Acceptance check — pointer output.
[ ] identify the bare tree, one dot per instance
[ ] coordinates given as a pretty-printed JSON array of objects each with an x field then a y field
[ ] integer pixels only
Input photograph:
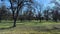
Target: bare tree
[
  {"x": 18, "y": 5},
  {"x": 0, "y": 15},
  {"x": 3, "y": 12},
  {"x": 56, "y": 9}
]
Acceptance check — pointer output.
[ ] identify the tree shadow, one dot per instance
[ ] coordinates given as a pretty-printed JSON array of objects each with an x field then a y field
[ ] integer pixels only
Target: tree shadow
[{"x": 7, "y": 28}]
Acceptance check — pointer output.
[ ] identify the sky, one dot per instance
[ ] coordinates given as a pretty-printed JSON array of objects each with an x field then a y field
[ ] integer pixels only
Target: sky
[{"x": 45, "y": 3}]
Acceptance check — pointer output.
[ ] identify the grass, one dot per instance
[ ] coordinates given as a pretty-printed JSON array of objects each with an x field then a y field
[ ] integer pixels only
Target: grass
[{"x": 26, "y": 27}]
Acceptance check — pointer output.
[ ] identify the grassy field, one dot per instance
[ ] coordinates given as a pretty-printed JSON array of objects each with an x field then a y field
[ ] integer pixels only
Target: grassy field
[{"x": 30, "y": 27}]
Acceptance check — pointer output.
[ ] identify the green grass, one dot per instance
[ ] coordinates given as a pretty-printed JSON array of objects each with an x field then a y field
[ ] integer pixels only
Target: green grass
[{"x": 27, "y": 27}]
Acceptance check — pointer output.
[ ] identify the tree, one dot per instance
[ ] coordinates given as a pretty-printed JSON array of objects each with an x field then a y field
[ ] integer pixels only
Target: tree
[
  {"x": 39, "y": 16},
  {"x": 56, "y": 9},
  {"x": 46, "y": 14},
  {"x": 3, "y": 12},
  {"x": 0, "y": 15},
  {"x": 39, "y": 12},
  {"x": 16, "y": 5},
  {"x": 55, "y": 15}
]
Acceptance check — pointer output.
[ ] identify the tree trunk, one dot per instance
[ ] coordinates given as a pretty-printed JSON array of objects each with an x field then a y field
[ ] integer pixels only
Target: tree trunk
[
  {"x": 0, "y": 17},
  {"x": 40, "y": 19},
  {"x": 14, "y": 25},
  {"x": 15, "y": 17}
]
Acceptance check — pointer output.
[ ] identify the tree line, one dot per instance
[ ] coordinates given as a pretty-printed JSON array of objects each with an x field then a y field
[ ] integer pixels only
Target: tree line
[{"x": 15, "y": 12}]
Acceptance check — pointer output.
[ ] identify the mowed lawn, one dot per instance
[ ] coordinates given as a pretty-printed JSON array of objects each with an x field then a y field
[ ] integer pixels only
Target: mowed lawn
[{"x": 30, "y": 27}]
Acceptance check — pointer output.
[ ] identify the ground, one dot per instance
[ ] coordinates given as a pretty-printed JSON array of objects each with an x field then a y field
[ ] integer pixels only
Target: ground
[{"x": 30, "y": 27}]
